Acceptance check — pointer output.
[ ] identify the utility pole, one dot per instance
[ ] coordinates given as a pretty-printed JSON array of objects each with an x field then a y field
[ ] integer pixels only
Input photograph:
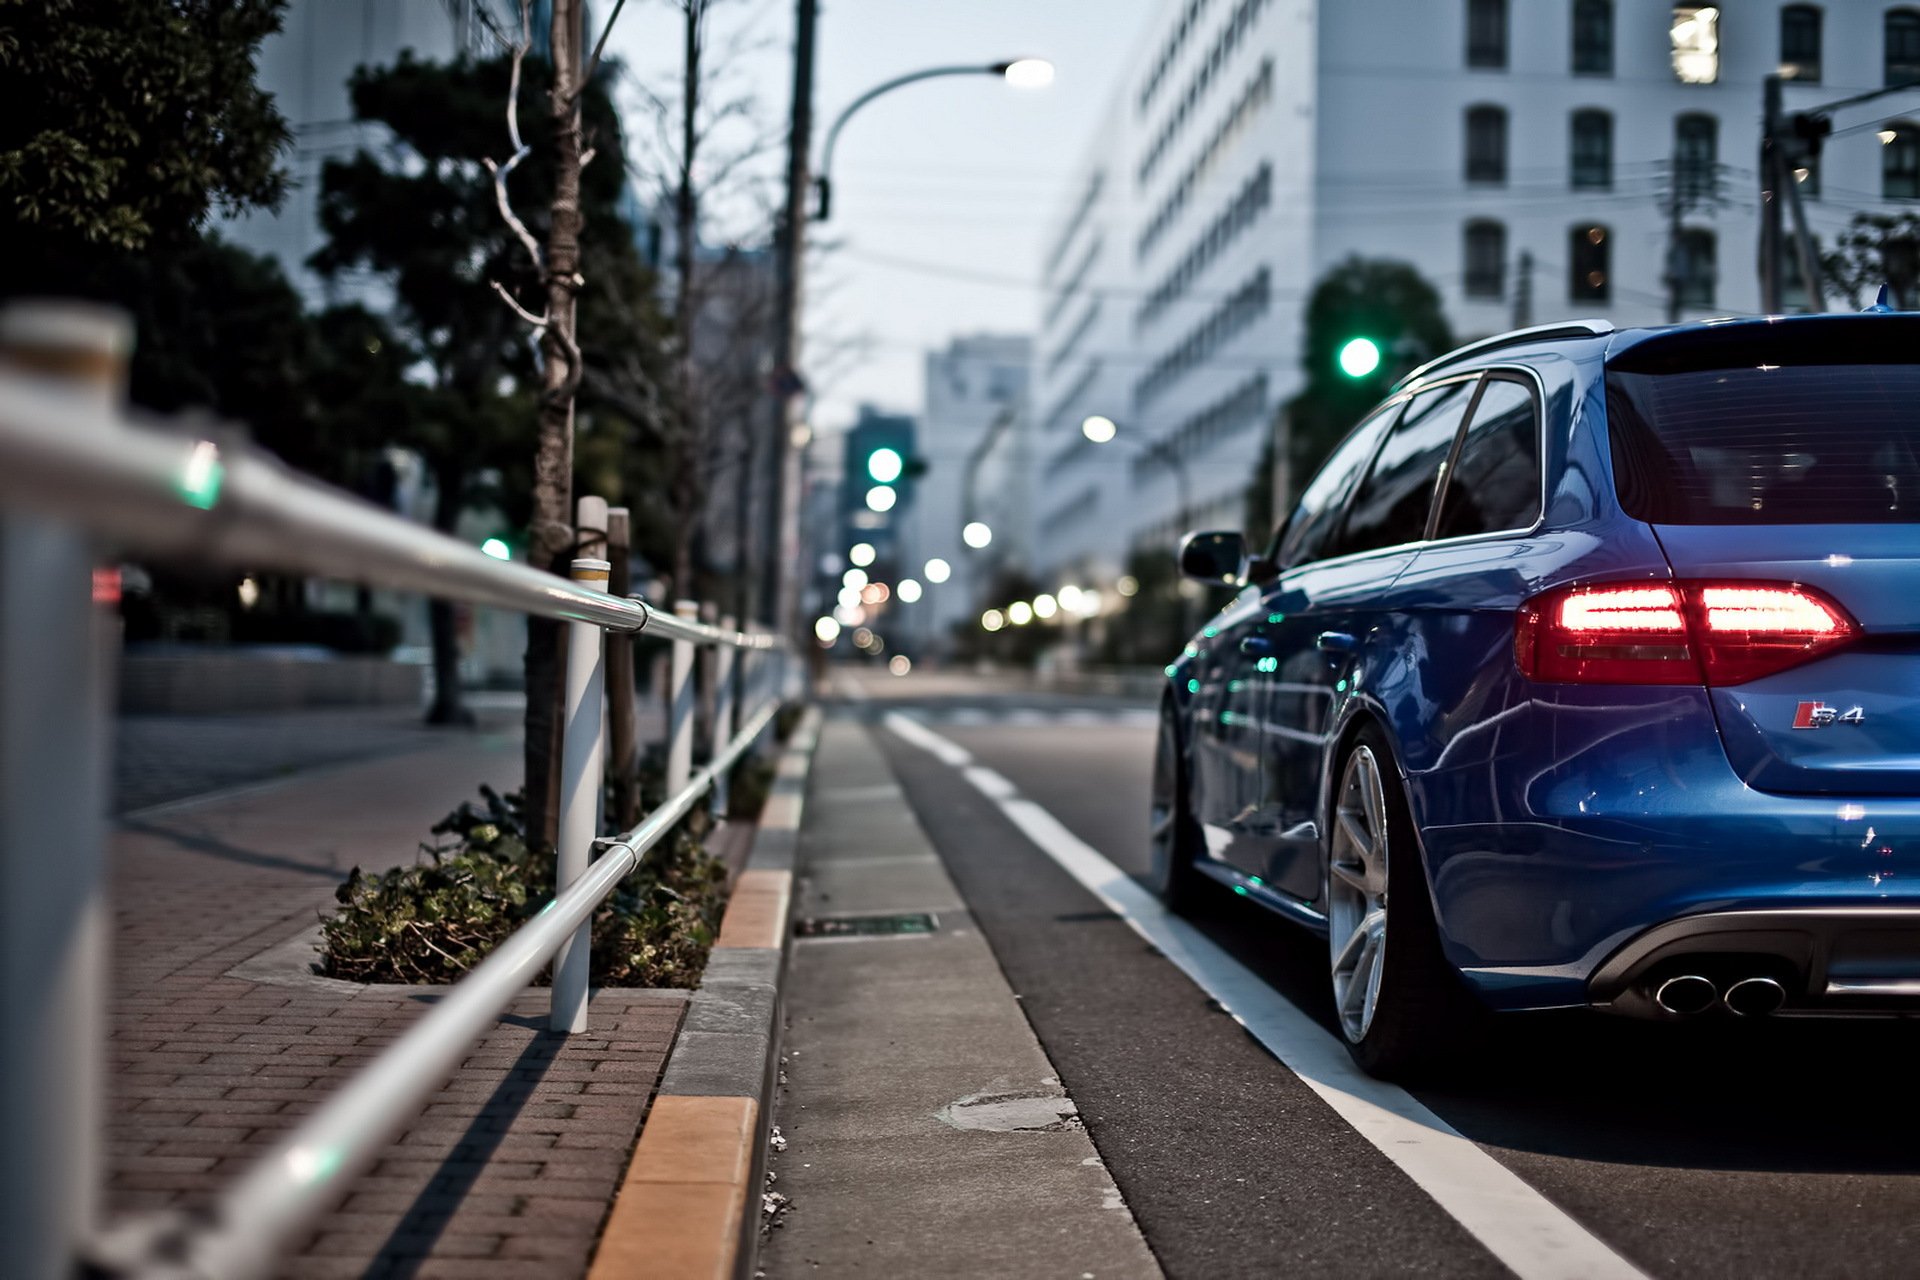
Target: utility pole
[
  {"x": 1770, "y": 238},
  {"x": 1786, "y": 145},
  {"x": 1675, "y": 208},
  {"x": 1523, "y": 291},
  {"x": 781, "y": 567}
]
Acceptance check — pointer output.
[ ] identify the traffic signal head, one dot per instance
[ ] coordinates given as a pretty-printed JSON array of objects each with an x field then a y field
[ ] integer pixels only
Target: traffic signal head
[
  {"x": 1359, "y": 357},
  {"x": 885, "y": 465}
]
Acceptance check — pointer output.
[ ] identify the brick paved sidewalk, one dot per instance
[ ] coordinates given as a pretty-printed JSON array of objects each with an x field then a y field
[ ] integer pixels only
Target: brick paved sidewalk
[{"x": 510, "y": 1170}]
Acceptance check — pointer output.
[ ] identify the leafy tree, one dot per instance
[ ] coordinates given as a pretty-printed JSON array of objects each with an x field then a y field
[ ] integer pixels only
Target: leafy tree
[
  {"x": 1388, "y": 302},
  {"x": 1877, "y": 249},
  {"x": 123, "y": 123},
  {"x": 421, "y": 215}
]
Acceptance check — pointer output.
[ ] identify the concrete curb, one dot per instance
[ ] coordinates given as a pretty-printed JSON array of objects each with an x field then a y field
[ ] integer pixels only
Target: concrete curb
[{"x": 687, "y": 1206}]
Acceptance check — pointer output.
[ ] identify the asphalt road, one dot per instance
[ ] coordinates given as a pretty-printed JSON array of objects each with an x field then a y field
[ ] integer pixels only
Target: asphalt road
[{"x": 1782, "y": 1148}]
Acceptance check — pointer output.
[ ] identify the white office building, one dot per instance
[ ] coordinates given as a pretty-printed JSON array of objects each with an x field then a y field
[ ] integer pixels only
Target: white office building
[
  {"x": 1520, "y": 154},
  {"x": 975, "y": 396}
]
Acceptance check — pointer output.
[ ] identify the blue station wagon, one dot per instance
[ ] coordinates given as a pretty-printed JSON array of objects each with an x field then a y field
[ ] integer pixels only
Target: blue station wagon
[{"x": 1586, "y": 673}]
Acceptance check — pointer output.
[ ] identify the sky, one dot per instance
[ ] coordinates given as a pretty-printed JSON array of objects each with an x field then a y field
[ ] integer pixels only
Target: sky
[{"x": 932, "y": 184}]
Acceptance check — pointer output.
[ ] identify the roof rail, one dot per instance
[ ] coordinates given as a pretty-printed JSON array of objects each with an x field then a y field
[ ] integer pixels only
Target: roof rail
[{"x": 1518, "y": 337}]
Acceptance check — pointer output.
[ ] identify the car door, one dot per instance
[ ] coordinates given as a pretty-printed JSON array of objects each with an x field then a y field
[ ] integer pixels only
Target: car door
[{"x": 1329, "y": 616}]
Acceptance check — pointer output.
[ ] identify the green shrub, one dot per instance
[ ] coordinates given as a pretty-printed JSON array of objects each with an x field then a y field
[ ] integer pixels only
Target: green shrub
[{"x": 438, "y": 918}]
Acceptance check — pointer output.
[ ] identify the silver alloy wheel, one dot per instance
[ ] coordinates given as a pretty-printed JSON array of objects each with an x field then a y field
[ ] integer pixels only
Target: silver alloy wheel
[{"x": 1357, "y": 892}]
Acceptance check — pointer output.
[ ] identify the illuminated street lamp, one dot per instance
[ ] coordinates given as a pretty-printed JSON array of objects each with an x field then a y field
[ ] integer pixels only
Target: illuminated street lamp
[
  {"x": 861, "y": 553},
  {"x": 1021, "y": 73},
  {"x": 938, "y": 570},
  {"x": 975, "y": 535}
]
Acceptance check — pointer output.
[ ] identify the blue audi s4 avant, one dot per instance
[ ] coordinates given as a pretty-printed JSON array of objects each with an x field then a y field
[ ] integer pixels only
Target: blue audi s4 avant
[{"x": 1586, "y": 673}]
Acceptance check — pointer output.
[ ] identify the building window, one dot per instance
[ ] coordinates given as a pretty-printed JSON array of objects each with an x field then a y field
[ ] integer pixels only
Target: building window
[
  {"x": 1696, "y": 43},
  {"x": 1487, "y": 34},
  {"x": 1486, "y": 260},
  {"x": 1903, "y": 46},
  {"x": 1695, "y": 269},
  {"x": 1589, "y": 277},
  {"x": 1696, "y": 147},
  {"x": 1593, "y": 37},
  {"x": 1800, "y": 43},
  {"x": 1900, "y": 163},
  {"x": 1592, "y": 151},
  {"x": 1486, "y": 144}
]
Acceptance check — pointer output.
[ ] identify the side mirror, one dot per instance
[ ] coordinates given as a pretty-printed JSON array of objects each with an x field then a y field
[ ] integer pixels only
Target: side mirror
[{"x": 1213, "y": 557}]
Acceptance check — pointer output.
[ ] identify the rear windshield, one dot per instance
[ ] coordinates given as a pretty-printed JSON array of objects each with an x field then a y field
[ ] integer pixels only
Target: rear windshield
[{"x": 1766, "y": 444}]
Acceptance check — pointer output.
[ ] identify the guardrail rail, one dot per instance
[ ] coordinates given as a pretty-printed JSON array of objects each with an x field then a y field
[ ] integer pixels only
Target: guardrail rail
[{"x": 78, "y": 473}]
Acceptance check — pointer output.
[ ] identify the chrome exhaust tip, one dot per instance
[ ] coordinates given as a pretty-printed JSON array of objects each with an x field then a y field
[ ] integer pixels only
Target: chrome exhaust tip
[
  {"x": 1686, "y": 995},
  {"x": 1755, "y": 997}
]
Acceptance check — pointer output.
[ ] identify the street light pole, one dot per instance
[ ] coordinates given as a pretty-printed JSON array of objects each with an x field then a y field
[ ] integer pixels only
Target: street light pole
[
  {"x": 1101, "y": 430},
  {"x": 1021, "y": 72}
]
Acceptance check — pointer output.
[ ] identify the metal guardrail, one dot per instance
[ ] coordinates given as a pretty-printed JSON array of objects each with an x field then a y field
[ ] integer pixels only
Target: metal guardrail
[{"x": 75, "y": 470}]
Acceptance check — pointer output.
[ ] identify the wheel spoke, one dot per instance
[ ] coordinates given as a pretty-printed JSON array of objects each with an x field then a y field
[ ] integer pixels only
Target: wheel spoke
[
  {"x": 1354, "y": 877},
  {"x": 1353, "y": 1000},
  {"x": 1376, "y": 954},
  {"x": 1349, "y": 954},
  {"x": 1356, "y": 833}
]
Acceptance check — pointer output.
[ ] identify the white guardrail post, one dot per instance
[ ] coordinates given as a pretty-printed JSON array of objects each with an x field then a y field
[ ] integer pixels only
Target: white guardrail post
[
  {"x": 57, "y": 644},
  {"x": 726, "y": 660},
  {"x": 680, "y": 703},
  {"x": 582, "y": 771}
]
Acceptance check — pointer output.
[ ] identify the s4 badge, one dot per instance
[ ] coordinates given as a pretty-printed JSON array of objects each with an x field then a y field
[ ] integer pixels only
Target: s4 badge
[{"x": 1818, "y": 715}]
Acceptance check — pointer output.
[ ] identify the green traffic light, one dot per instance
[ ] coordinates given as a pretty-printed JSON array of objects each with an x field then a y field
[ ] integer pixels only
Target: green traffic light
[
  {"x": 1359, "y": 357},
  {"x": 885, "y": 465}
]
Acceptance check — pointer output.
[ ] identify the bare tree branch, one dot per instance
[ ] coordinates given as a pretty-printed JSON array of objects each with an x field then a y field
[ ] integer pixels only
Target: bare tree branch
[
  {"x": 538, "y": 322},
  {"x": 520, "y": 152},
  {"x": 593, "y": 63}
]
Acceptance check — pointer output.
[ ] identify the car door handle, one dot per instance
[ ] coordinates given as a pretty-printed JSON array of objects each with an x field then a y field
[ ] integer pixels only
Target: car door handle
[
  {"x": 1257, "y": 646},
  {"x": 1334, "y": 642}
]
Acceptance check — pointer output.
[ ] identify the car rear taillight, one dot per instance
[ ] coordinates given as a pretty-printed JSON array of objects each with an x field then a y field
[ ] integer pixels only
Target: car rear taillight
[{"x": 1686, "y": 632}]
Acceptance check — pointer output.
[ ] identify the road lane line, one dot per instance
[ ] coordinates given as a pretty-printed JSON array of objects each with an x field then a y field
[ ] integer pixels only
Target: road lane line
[{"x": 1519, "y": 1226}]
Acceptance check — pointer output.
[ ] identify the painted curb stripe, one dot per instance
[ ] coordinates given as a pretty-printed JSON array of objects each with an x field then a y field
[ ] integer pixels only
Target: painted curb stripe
[
  {"x": 688, "y": 1203},
  {"x": 756, "y": 914},
  {"x": 1519, "y": 1226}
]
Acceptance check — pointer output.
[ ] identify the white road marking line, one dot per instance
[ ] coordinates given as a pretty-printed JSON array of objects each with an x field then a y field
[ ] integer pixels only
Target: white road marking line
[{"x": 1519, "y": 1226}]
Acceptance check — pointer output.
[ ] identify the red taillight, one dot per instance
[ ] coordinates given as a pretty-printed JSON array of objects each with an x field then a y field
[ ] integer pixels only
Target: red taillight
[{"x": 1716, "y": 633}]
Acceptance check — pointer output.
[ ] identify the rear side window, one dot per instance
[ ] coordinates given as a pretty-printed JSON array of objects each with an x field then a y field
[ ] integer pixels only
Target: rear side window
[
  {"x": 1495, "y": 484},
  {"x": 1313, "y": 521},
  {"x": 1768, "y": 444},
  {"x": 1392, "y": 504}
]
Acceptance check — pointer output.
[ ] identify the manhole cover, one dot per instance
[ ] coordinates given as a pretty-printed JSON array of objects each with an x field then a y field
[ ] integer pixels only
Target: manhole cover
[{"x": 910, "y": 924}]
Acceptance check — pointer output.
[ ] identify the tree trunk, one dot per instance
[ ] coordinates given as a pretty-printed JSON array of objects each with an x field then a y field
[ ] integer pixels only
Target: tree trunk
[
  {"x": 449, "y": 704},
  {"x": 551, "y": 535}
]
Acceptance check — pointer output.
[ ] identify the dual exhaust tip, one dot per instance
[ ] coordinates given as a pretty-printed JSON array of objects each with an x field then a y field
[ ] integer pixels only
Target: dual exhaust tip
[{"x": 1690, "y": 994}]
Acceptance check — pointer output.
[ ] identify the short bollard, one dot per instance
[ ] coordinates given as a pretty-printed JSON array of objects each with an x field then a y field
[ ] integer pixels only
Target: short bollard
[{"x": 582, "y": 753}]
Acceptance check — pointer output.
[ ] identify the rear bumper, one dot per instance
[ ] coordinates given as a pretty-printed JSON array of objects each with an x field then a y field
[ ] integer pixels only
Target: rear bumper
[
  {"x": 1835, "y": 960},
  {"x": 1595, "y": 875}
]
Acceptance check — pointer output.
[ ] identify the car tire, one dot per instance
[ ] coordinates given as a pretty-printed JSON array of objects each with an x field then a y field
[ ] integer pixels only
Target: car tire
[
  {"x": 1401, "y": 1009},
  {"x": 1173, "y": 837}
]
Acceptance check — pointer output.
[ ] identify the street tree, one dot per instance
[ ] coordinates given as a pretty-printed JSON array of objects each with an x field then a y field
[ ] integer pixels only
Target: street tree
[
  {"x": 1877, "y": 249},
  {"x": 421, "y": 216},
  {"x": 123, "y": 126},
  {"x": 1386, "y": 303}
]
